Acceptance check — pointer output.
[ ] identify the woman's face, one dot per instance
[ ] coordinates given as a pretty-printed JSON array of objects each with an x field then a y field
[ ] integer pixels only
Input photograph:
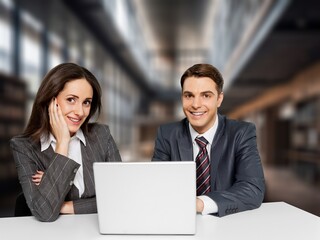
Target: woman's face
[{"x": 75, "y": 102}]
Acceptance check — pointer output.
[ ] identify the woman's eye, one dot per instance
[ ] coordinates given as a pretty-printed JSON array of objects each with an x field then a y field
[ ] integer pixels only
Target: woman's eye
[
  {"x": 88, "y": 103},
  {"x": 71, "y": 100}
]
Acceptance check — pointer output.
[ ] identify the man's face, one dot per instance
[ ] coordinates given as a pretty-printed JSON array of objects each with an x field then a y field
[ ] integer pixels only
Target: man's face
[{"x": 200, "y": 101}]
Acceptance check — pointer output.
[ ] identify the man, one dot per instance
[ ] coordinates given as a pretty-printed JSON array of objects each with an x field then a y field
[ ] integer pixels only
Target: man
[{"x": 229, "y": 171}]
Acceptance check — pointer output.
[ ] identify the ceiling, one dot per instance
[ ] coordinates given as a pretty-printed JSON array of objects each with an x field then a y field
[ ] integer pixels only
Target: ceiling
[
  {"x": 291, "y": 46},
  {"x": 170, "y": 22}
]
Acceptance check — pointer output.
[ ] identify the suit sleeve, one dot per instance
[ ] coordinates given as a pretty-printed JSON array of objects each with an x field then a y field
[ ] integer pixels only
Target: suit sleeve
[
  {"x": 106, "y": 146},
  {"x": 113, "y": 154},
  {"x": 46, "y": 199},
  {"x": 248, "y": 189},
  {"x": 85, "y": 205}
]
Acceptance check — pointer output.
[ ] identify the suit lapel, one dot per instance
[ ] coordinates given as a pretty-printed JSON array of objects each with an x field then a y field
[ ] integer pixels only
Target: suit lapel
[
  {"x": 47, "y": 154},
  {"x": 216, "y": 149},
  {"x": 216, "y": 155},
  {"x": 185, "y": 144},
  {"x": 87, "y": 164},
  {"x": 185, "y": 149},
  {"x": 87, "y": 178}
]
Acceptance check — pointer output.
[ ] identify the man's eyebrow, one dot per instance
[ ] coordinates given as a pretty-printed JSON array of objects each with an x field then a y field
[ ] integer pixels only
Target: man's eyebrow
[{"x": 206, "y": 92}]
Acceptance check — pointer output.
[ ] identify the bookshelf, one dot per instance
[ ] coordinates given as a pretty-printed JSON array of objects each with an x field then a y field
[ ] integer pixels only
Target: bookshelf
[
  {"x": 13, "y": 98},
  {"x": 304, "y": 148}
]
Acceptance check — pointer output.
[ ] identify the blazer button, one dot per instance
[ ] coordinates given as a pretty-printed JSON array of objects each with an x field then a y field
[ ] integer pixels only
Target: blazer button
[
  {"x": 71, "y": 182},
  {"x": 75, "y": 170}
]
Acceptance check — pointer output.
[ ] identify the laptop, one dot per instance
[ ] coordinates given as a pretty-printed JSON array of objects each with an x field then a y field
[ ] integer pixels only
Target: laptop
[{"x": 146, "y": 197}]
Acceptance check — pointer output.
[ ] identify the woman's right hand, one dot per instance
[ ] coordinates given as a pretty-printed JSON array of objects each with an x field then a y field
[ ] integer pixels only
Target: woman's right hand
[
  {"x": 59, "y": 128},
  {"x": 67, "y": 208}
]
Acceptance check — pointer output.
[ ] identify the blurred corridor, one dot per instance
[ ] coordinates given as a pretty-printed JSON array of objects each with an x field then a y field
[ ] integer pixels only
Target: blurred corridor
[{"x": 267, "y": 50}]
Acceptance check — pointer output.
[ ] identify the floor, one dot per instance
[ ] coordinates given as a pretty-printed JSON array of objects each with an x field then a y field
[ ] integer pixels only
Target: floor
[{"x": 284, "y": 184}]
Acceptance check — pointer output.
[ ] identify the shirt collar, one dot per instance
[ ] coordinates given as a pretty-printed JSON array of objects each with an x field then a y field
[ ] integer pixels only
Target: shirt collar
[
  {"x": 208, "y": 134},
  {"x": 46, "y": 142}
]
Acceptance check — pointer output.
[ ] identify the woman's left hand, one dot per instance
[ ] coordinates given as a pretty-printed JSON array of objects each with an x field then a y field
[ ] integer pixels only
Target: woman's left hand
[{"x": 37, "y": 177}]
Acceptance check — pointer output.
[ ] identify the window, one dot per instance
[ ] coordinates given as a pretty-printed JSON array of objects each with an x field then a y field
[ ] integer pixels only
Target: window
[
  {"x": 31, "y": 51},
  {"x": 5, "y": 39}
]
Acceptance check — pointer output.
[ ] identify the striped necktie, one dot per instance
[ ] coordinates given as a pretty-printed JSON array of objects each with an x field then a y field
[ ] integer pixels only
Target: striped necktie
[{"x": 203, "y": 167}]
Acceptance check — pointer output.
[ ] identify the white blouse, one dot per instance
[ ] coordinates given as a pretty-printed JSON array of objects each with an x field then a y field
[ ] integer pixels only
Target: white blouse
[{"x": 74, "y": 153}]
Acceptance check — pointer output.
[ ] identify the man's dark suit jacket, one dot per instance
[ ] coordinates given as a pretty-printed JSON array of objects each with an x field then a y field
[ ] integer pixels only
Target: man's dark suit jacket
[
  {"x": 56, "y": 185},
  {"x": 237, "y": 179}
]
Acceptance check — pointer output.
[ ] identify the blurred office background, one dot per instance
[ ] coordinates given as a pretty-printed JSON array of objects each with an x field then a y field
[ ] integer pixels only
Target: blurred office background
[{"x": 267, "y": 50}]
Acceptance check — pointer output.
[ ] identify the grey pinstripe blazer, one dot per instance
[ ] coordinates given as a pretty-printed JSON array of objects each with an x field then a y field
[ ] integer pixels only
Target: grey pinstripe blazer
[{"x": 56, "y": 186}]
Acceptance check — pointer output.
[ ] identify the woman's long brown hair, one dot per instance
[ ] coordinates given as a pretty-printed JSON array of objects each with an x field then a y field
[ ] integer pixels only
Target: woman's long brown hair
[{"x": 52, "y": 84}]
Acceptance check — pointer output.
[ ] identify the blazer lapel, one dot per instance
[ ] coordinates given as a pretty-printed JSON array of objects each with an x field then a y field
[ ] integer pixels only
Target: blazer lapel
[
  {"x": 216, "y": 147},
  {"x": 48, "y": 154},
  {"x": 87, "y": 164},
  {"x": 185, "y": 149},
  {"x": 185, "y": 144}
]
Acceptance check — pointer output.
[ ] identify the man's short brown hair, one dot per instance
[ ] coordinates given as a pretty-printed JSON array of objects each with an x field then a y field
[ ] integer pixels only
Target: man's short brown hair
[{"x": 204, "y": 70}]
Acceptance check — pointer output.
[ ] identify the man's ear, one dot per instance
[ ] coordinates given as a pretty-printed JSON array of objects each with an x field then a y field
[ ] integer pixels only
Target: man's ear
[{"x": 220, "y": 99}]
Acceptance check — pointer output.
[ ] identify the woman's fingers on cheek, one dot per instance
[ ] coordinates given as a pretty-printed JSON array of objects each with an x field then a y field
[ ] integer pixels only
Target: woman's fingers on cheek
[
  {"x": 51, "y": 110},
  {"x": 59, "y": 114},
  {"x": 51, "y": 104},
  {"x": 54, "y": 112},
  {"x": 55, "y": 104}
]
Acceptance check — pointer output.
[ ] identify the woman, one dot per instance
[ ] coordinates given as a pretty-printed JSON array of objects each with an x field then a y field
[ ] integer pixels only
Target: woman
[{"x": 54, "y": 157}]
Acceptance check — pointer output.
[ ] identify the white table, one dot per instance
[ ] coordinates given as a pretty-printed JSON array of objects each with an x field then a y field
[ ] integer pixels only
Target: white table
[{"x": 271, "y": 221}]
